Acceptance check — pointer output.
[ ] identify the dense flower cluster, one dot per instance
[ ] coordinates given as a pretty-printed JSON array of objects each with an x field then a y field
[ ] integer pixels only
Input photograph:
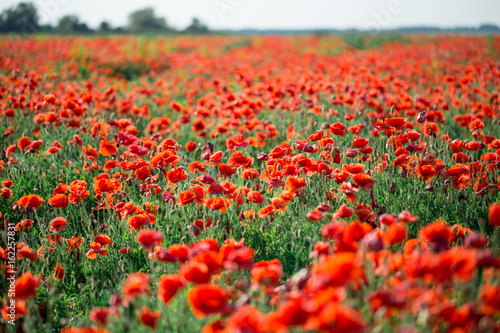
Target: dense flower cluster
[{"x": 176, "y": 166}]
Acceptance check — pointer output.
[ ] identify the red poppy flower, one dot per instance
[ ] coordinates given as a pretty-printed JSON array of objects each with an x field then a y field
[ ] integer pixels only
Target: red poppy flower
[
  {"x": 138, "y": 221},
  {"x": 32, "y": 200},
  {"x": 207, "y": 299},
  {"x": 26, "y": 286},
  {"x": 106, "y": 185},
  {"x": 267, "y": 273},
  {"x": 266, "y": 211},
  {"x": 102, "y": 239},
  {"x": 350, "y": 191},
  {"x": 186, "y": 197},
  {"x": 191, "y": 146},
  {"x": 107, "y": 149},
  {"x": 168, "y": 286},
  {"x": 23, "y": 142},
  {"x": 24, "y": 224},
  {"x": 59, "y": 201},
  {"x": 7, "y": 183},
  {"x": 494, "y": 214},
  {"x": 180, "y": 251},
  {"x": 6, "y": 193},
  {"x": 236, "y": 142},
  {"x": 293, "y": 184},
  {"x": 197, "y": 166},
  {"x": 217, "y": 203},
  {"x": 315, "y": 215},
  {"x": 176, "y": 175},
  {"x": 353, "y": 168},
  {"x": 226, "y": 170},
  {"x": 364, "y": 180},
  {"x": 136, "y": 284},
  {"x": 149, "y": 238},
  {"x": 196, "y": 272},
  {"x": 360, "y": 142},
  {"x": 58, "y": 272},
  {"x": 142, "y": 173},
  {"x": 256, "y": 197},
  {"x": 95, "y": 249},
  {"x": 332, "y": 271},
  {"x": 100, "y": 315},
  {"x": 438, "y": 234},
  {"x": 148, "y": 317},
  {"x": 338, "y": 129},
  {"x": 57, "y": 224}
]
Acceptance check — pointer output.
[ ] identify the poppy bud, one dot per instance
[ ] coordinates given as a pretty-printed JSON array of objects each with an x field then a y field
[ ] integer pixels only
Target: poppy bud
[
  {"x": 373, "y": 242},
  {"x": 242, "y": 284},
  {"x": 323, "y": 207},
  {"x": 262, "y": 156},
  {"x": 308, "y": 149},
  {"x": 209, "y": 146},
  {"x": 194, "y": 230},
  {"x": 475, "y": 240},
  {"x": 351, "y": 153},
  {"x": 422, "y": 117},
  {"x": 115, "y": 300},
  {"x": 486, "y": 259}
]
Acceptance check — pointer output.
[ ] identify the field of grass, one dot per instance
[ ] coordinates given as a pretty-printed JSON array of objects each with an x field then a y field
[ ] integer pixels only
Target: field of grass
[{"x": 250, "y": 184}]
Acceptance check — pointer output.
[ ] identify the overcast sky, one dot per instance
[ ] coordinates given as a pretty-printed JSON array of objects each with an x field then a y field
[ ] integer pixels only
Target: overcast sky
[{"x": 286, "y": 14}]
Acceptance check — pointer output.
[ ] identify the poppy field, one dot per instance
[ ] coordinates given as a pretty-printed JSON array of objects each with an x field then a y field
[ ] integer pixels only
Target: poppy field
[{"x": 249, "y": 184}]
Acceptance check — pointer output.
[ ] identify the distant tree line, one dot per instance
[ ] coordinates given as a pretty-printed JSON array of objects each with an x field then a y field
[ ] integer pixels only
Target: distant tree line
[{"x": 24, "y": 19}]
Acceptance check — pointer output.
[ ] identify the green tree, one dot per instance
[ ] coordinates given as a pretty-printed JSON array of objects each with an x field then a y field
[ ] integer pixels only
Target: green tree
[
  {"x": 196, "y": 27},
  {"x": 23, "y": 18},
  {"x": 105, "y": 27},
  {"x": 72, "y": 24},
  {"x": 145, "y": 20}
]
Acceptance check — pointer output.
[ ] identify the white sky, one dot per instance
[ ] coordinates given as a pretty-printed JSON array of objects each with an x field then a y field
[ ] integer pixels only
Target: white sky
[{"x": 285, "y": 14}]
